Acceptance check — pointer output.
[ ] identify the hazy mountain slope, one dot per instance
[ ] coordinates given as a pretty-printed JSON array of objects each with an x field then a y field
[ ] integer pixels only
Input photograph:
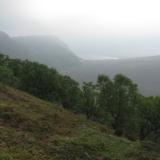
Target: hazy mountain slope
[
  {"x": 44, "y": 49},
  {"x": 12, "y": 48},
  {"x": 49, "y": 50},
  {"x": 34, "y": 129}
]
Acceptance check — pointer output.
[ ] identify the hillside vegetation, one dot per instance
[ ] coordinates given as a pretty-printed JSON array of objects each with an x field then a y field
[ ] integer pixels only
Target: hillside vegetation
[
  {"x": 113, "y": 102},
  {"x": 33, "y": 129}
]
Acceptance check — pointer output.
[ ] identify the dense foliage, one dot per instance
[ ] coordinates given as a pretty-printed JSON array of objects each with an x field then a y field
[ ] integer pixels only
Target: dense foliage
[
  {"x": 39, "y": 80},
  {"x": 116, "y": 102}
]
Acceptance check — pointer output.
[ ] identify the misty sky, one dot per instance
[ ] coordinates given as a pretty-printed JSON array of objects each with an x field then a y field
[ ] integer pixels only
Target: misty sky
[{"x": 92, "y": 28}]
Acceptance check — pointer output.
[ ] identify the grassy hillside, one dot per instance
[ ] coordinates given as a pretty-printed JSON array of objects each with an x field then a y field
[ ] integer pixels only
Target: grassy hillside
[{"x": 37, "y": 130}]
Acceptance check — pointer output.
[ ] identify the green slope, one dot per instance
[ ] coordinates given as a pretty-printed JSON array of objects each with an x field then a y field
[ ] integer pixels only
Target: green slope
[{"x": 37, "y": 130}]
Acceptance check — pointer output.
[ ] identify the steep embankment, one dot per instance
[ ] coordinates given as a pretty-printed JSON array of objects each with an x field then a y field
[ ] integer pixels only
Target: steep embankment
[{"x": 37, "y": 130}]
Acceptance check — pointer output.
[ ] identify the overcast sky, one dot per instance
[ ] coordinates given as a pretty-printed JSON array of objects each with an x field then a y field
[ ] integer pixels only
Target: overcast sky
[{"x": 91, "y": 28}]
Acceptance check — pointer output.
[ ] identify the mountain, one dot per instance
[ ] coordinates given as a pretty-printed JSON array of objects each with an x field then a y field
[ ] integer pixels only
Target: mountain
[
  {"x": 44, "y": 49},
  {"x": 34, "y": 129},
  {"x": 51, "y": 51},
  {"x": 11, "y": 47}
]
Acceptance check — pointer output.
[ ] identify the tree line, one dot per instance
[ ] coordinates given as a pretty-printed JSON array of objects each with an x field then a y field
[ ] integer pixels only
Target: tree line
[{"x": 115, "y": 102}]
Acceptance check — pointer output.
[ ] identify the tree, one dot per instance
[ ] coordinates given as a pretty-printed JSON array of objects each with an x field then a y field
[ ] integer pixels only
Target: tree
[
  {"x": 124, "y": 110},
  {"x": 150, "y": 118},
  {"x": 7, "y": 76},
  {"x": 39, "y": 80},
  {"x": 90, "y": 100},
  {"x": 70, "y": 93},
  {"x": 105, "y": 98},
  {"x": 4, "y": 60}
]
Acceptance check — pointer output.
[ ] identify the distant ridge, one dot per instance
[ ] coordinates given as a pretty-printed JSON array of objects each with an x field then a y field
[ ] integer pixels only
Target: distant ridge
[{"x": 44, "y": 49}]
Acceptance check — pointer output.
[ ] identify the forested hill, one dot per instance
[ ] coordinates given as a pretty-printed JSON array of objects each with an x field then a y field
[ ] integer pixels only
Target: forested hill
[
  {"x": 37, "y": 130},
  {"x": 109, "y": 119}
]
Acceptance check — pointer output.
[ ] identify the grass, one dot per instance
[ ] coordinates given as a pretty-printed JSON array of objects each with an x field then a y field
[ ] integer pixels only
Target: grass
[{"x": 37, "y": 130}]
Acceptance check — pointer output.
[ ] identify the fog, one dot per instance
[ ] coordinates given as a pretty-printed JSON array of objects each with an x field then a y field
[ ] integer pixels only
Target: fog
[{"x": 93, "y": 29}]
